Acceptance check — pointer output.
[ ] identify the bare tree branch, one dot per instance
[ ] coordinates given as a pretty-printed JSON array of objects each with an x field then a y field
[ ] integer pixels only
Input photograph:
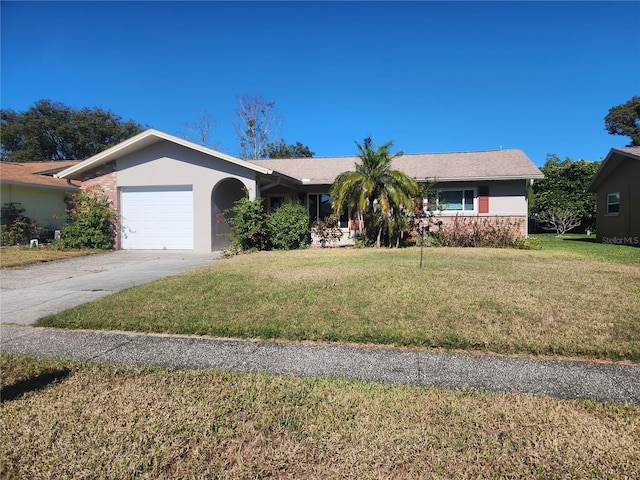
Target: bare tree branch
[
  {"x": 560, "y": 220},
  {"x": 200, "y": 130},
  {"x": 257, "y": 124}
]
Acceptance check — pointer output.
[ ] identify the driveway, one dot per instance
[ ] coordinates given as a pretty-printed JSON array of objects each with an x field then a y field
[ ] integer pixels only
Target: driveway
[{"x": 32, "y": 292}]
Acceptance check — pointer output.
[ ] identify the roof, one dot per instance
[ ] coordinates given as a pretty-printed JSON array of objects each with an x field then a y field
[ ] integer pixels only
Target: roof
[
  {"x": 444, "y": 167},
  {"x": 610, "y": 163},
  {"x": 460, "y": 166},
  {"x": 144, "y": 139},
  {"x": 37, "y": 174}
]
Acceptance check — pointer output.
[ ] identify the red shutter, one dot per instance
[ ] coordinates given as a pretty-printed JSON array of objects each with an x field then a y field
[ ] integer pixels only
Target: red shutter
[{"x": 483, "y": 199}]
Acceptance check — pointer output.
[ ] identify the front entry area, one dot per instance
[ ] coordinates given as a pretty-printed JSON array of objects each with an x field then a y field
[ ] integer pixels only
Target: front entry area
[
  {"x": 224, "y": 195},
  {"x": 156, "y": 218}
]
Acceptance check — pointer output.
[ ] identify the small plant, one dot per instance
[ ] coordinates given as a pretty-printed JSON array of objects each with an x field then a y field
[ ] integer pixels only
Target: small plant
[
  {"x": 91, "y": 222},
  {"x": 288, "y": 227},
  {"x": 248, "y": 222},
  {"x": 17, "y": 229},
  {"x": 327, "y": 230}
]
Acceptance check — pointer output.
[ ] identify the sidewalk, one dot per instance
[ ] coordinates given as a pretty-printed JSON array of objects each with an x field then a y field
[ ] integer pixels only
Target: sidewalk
[{"x": 493, "y": 373}]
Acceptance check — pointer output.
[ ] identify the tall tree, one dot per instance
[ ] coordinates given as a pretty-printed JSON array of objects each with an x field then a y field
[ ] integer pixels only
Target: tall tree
[
  {"x": 563, "y": 188},
  {"x": 374, "y": 190},
  {"x": 258, "y": 122},
  {"x": 200, "y": 130},
  {"x": 625, "y": 120},
  {"x": 280, "y": 149},
  {"x": 54, "y": 131}
]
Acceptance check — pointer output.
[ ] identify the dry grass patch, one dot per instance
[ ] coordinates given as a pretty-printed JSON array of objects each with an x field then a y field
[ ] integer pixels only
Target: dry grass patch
[
  {"x": 119, "y": 422},
  {"x": 13, "y": 257},
  {"x": 504, "y": 301}
]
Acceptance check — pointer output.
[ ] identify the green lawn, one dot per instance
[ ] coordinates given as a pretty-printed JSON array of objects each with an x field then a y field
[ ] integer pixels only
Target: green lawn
[
  {"x": 573, "y": 298},
  {"x": 86, "y": 420}
]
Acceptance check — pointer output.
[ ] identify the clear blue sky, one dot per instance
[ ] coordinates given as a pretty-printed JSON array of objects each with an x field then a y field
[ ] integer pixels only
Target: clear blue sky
[{"x": 430, "y": 76}]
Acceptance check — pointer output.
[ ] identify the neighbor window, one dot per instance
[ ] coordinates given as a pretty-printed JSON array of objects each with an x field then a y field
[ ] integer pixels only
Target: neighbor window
[
  {"x": 456, "y": 200},
  {"x": 613, "y": 203}
]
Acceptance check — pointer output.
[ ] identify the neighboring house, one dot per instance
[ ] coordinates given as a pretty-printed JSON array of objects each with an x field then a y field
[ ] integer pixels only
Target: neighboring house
[
  {"x": 617, "y": 188},
  {"x": 39, "y": 193},
  {"x": 171, "y": 193}
]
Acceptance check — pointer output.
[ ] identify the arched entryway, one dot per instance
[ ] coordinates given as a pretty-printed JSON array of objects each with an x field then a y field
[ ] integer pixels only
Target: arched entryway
[{"x": 224, "y": 195}]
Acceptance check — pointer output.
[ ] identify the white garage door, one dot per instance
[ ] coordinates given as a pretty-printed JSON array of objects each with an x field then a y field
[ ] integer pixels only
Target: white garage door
[{"x": 157, "y": 218}]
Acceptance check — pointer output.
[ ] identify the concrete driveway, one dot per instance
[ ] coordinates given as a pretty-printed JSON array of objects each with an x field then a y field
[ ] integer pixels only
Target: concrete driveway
[{"x": 32, "y": 292}]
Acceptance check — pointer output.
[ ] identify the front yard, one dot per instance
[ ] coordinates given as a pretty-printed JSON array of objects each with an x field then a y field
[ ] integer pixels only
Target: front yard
[
  {"x": 578, "y": 302},
  {"x": 87, "y": 420},
  {"x": 64, "y": 419}
]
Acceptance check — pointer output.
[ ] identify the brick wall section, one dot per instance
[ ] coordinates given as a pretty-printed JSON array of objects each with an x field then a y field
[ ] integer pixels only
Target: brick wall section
[{"x": 105, "y": 177}]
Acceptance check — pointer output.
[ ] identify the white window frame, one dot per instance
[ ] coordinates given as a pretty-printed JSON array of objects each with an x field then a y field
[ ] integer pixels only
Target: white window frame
[
  {"x": 474, "y": 208},
  {"x": 610, "y": 203}
]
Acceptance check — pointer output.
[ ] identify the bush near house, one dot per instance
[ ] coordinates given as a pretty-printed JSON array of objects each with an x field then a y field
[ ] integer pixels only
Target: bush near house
[
  {"x": 288, "y": 227},
  {"x": 480, "y": 232},
  {"x": 16, "y": 228},
  {"x": 248, "y": 222},
  {"x": 91, "y": 222}
]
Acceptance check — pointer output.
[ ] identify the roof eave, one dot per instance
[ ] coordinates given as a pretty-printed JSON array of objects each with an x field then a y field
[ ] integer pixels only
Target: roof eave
[
  {"x": 597, "y": 178},
  {"x": 39, "y": 185},
  {"x": 534, "y": 176},
  {"x": 113, "y": 152}
]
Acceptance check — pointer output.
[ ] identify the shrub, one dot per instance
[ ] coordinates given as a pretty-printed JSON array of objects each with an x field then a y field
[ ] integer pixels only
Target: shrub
[
  {"x": 478, "y": 232},
  {"x": 327, "y": 230},
  {"x": 248, "y": 223},
  {"x": 530, "y": 243},
  {"x": 17, "y": 229},
  {"x": 288, "y": 227},
  {"x": 91, "y": 222}
]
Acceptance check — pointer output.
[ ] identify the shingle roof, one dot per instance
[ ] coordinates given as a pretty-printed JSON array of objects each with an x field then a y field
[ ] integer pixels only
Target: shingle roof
[
  {"x": 610, "y": 163},
  {"x": 35, "y": 173},
  {"x": 458, "y": 166}
]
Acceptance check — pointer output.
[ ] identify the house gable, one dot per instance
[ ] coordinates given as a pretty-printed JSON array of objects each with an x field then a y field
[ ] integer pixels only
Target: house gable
[{"x": 618, "y": 197}]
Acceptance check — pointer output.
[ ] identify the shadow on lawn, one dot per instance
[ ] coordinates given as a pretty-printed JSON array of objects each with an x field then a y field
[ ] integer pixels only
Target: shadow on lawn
[
  {"x": 32, "y": 384},
  {"x": 585, "y": 240}
]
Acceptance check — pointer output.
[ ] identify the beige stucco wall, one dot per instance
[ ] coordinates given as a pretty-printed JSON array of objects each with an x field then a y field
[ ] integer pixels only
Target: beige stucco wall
[
  {"x": 41, "y": 204},
  {"x": 506, "y": 198},
  {"x": 168, "y": 164},
  {"x": 625, "y": 226}
]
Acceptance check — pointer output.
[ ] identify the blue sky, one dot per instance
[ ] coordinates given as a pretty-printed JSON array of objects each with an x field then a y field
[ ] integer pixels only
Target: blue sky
[{"x": 430, "y": 76}]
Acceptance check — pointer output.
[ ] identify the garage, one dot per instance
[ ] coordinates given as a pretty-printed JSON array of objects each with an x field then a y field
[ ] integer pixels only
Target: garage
[{"x": 157, "y": 218}]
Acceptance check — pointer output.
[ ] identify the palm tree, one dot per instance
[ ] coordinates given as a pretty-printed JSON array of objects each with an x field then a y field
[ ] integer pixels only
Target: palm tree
[{"x": 373, "y": 189}]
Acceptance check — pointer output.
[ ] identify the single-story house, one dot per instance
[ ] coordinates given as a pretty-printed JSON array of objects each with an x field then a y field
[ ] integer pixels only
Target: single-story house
[
  {"x": 39, "y": 193},
  {"x": 171, "y": 193},
  {"x": 617, "y": 188}
]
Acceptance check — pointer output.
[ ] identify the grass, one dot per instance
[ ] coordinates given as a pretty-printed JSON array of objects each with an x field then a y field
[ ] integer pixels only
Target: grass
[
  {"x": 585, "y": 246},
  {"x": 90, "y": 420},
  {"x": 15, "y": 257},
  {"x": 553, "y": 301}
]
